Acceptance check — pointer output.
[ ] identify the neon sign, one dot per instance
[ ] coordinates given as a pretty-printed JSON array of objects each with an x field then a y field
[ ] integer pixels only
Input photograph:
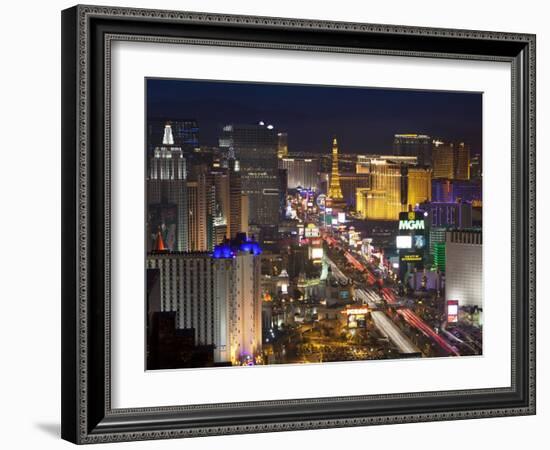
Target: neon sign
[{"x": 411, "y": 225}]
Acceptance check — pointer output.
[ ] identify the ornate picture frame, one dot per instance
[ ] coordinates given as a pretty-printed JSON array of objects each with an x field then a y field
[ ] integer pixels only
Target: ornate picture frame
[{"x": 87, "y": 35}]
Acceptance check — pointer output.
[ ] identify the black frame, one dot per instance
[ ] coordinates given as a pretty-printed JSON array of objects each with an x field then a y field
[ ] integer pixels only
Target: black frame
[{"x": 87, "y": 416}]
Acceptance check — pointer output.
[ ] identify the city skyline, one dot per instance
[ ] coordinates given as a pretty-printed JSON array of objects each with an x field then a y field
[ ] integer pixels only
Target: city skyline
[
  {"x": 364, "y": 119},
  {"x": 259, "y": 254}
]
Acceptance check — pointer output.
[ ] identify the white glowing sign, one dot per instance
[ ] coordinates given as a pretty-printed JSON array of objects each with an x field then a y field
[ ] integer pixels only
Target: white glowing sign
[
  {"x": 317, "y": 253},
  {"x": 356, "y": 311},
  {"x": 311, "y": 231},
  {"x": 411, "y": 225},
  {"x": 403, "y": 241}
]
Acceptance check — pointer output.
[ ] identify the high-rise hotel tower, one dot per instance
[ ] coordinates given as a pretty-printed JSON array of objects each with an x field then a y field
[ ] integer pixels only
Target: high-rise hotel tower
[
  {"x": 335, "y": 196},
  {"x": 166, "y": 194}
]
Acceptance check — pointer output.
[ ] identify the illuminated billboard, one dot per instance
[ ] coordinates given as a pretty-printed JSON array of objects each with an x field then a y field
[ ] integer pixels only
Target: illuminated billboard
[
  {"x": 452, "y": 311},
  {"x": 403, "y": 241},
  {"x": 357, "y": 317},
  {"x": 321, "y": 201},
  {"x": 311, "y": 231},
  {"x": 411, "y": 258},
  {"x": 316, "y": 253},
  {"x": 419, "y": 241}
]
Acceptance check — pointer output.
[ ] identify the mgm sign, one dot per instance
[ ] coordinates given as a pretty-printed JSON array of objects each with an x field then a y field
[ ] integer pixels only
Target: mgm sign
[
  {"x": 412, "y": 221},
  {"x": 412, "y": 225}
]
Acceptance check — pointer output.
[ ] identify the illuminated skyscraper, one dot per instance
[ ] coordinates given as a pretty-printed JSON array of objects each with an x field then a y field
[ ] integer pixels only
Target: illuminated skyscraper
[
  {"x": 166, "y": 194},
  {"x": 386, "y": 199},
  {"x": 255, "y": 149},
  {"x": 196, "y": 223},
  {"x": 185, "y": 133},
  {"x": 237, "y": 287},
  {"x": 221, "y": 184},
  {"x": 301, "y": 172},
  {"x": 217, "y": 295},
  {"x": 462, "y": 166},
  {"x": 235, "y": 204},
  {"x": 282, "y": 145},
  {"x": 186, "y": 288},
  {"x": 418, "y": 145},
  {"x": 201, "y": 210},
  {"x": 419, "y": 185},
  {"x": 232, "y": 203},
  {"x": 463, "y": 266},
  {"x": 443, "y": 160},
  {"x": 476, "y": 167},
  {"x": 451, "y": 161},
  {"x": 245, "y": 214},
  {"x": 395, "y": 184},
  {"x": 448, "y": 214}
]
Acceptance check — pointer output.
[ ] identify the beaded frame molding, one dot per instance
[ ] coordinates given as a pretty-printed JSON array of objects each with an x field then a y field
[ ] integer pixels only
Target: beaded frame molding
[{"x": 87, "y": 35}]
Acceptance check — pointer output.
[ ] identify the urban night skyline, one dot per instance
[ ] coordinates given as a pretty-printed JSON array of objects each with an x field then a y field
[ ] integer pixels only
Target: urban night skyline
[
  {"x": 294, "y": 224},
  {"x": 365, "y": 119}
]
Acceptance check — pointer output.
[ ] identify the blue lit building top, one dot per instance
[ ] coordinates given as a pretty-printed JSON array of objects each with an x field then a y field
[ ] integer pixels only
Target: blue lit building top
[{"x": 240, "y": 244}]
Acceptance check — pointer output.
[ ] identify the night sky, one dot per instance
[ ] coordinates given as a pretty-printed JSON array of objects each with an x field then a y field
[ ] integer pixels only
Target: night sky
[{"x": 363, "y": 119}]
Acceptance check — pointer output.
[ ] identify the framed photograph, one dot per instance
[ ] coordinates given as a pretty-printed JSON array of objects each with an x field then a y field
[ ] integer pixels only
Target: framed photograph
[{"x": 280, "y": 224}]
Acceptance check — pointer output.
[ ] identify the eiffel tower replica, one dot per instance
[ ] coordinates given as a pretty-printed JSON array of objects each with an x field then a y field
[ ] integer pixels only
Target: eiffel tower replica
[{"x": 335, "y": 198}]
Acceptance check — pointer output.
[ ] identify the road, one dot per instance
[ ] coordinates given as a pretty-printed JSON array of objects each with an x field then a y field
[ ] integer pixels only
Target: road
[
  {"x": 415, "y": 321},
  {"x": 409, "y": 316},
  {"x": 336, "y": 272},
  {"x": 394, "y": 334},
  {"x": 386, "y": 327},
  {"x": 384, "y": 324}
]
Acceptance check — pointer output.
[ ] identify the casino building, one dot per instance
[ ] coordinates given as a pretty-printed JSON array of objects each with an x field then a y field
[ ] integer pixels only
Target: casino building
[
  {"x": 216, "y": 295},
  {"x": 237, "y": 295},
  {"x": 187, "y": 288},
  {"x": 464, "y": 274},
  {"x": 301, "y": 172},
  {"x": 255, "y": 146},
  {"x": 167, "y": 207},
  {"x": 396, "y": 183}
]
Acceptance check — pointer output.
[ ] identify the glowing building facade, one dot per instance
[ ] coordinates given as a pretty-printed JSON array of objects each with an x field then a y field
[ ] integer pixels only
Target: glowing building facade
[
  {"x": 282, "y": 145},
  {"x": 386, "y": 197},
  {"x": 448, "y": 214},
  {"x": 395, "y": 183},
  {"x": 301, "y": 172},
  {"x": 166, "y": 194},
  {"x": 186, "y": 288},
  {"x": 255, "y": 148},
  {"x": 237, "y": 287},
  {"x": 419, "y": 185},
  {"x": 364, "y": 162},
  {"x": 443, "y": 160},
  {"x": 198, "y": 204},
  {"x": 462, "y": 166},
  {"x": 451, "y": 160},
  {"x": 463, "y": 266},
  {"x": 217, "y": 295},
  {"x": 185, "y": 134},
  {"x": 419, "y": 145}
]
